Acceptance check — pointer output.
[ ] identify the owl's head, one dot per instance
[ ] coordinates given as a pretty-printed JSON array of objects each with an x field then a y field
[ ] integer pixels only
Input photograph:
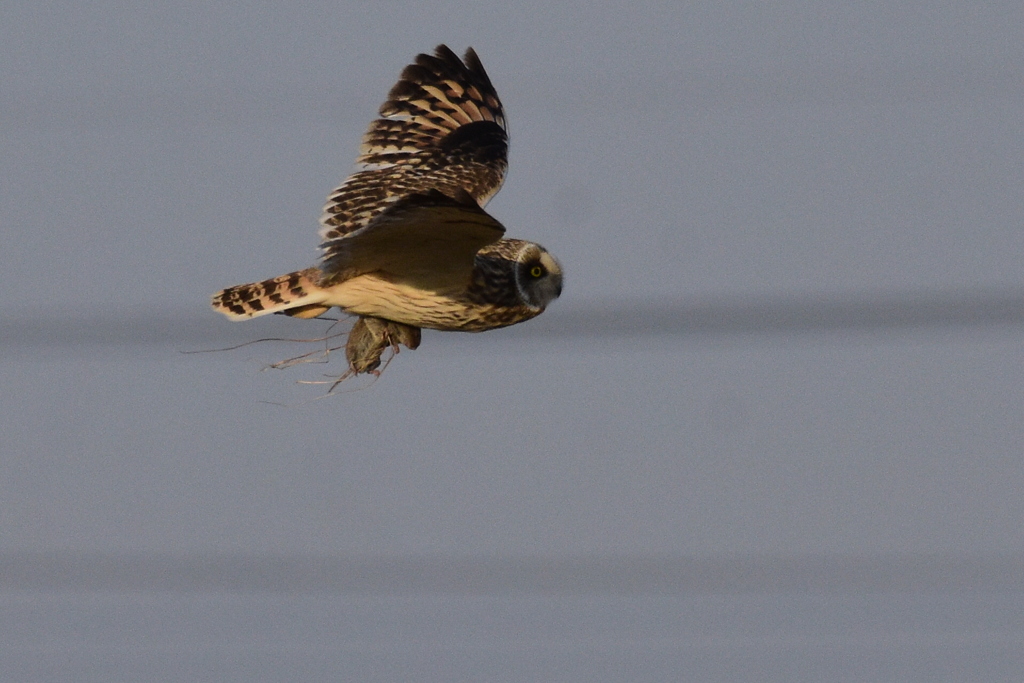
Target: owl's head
[{"x": 538, "y": 276}]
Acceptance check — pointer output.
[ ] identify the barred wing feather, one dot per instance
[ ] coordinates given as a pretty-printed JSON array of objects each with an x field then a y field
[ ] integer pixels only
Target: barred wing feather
[{"x": 442, "y": 128}]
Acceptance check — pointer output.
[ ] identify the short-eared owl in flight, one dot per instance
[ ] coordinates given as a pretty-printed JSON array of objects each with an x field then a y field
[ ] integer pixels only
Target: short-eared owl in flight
[{"x": 406, "y": 244}]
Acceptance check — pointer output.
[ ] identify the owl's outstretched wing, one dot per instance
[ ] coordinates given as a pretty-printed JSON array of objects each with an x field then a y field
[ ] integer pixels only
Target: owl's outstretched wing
[
  {"x": 442, "y": 128},
  {"x": 428, "y": 240}
]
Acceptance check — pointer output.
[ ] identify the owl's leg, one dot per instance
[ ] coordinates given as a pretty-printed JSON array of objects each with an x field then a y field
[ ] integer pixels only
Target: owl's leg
[{"x": 402, "y": 334}]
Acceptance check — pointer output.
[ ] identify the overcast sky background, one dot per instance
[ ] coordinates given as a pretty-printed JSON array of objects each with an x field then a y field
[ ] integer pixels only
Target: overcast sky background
[{"x": 670, "y": 154}]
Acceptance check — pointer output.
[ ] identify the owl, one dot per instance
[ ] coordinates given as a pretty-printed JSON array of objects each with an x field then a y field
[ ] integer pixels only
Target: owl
[{"x": 406, "y": 243}]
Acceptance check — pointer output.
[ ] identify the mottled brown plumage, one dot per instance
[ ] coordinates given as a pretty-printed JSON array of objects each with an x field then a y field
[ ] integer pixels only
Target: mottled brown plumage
[
  {"x": 406, "y": 242},
  {"x": 442, "y": 128}
]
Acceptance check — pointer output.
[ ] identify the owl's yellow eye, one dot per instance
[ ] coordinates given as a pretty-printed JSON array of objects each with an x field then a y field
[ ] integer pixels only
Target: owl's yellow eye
[{"x": 536, "y": 271}]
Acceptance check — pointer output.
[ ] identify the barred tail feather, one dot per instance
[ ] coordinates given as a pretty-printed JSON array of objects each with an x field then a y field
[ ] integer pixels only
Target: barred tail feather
[{"x": 295, "y": 294}]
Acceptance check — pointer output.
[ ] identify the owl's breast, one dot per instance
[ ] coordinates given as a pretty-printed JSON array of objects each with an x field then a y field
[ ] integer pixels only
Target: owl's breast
[{"x": 451, "y": 310}]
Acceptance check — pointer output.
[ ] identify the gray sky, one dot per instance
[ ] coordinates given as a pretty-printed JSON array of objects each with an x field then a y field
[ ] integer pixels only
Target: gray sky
[{"x": 669, "y": 154}]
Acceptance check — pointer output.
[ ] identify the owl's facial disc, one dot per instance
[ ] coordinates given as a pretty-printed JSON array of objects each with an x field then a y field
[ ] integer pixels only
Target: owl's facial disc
[{"x": 538, "y": 276}]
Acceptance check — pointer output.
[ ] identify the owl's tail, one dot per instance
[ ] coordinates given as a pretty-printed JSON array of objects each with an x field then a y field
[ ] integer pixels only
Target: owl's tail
[{"x": 296, "y": 294}]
